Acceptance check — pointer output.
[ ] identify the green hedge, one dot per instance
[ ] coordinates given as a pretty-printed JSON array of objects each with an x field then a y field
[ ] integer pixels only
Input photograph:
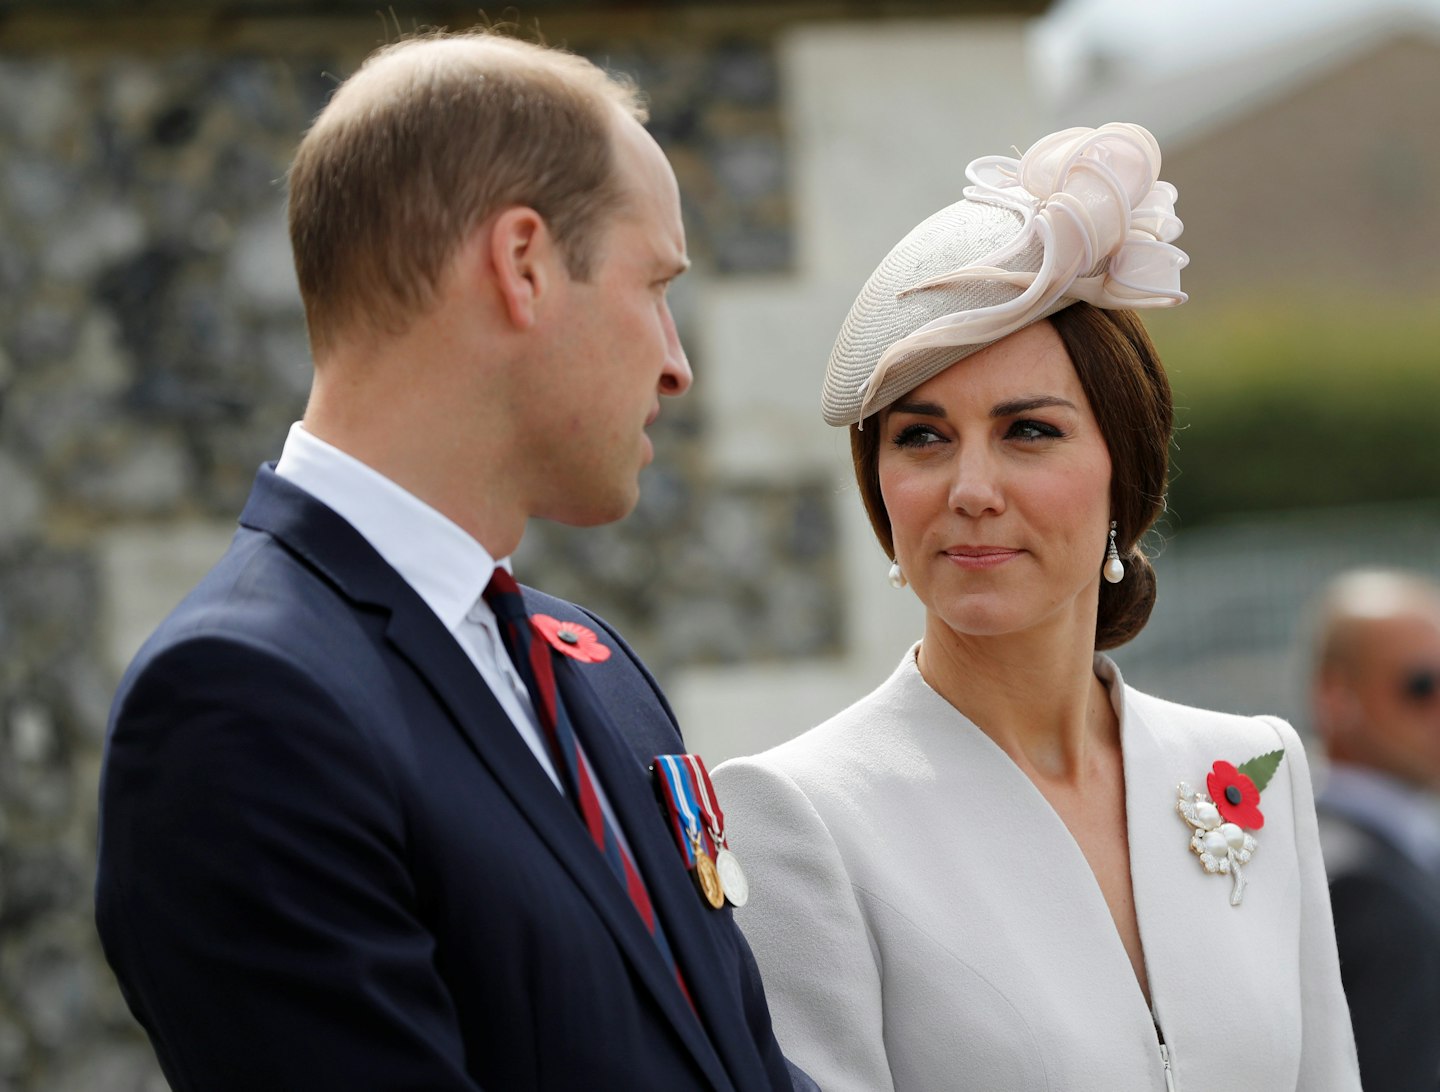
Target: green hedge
[{"x": 1296, "y": 408}]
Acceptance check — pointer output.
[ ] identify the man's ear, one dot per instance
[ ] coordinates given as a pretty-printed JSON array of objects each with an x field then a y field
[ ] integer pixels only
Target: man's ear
[{"x": 523, "y": 256}]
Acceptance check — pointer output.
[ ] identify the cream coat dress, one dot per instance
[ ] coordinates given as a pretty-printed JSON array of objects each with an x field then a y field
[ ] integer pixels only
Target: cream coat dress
[{"x": 925, "y": 921}]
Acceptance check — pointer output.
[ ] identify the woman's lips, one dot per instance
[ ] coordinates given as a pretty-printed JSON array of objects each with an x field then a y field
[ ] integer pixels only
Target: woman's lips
[{"x": 980, "y": 557}]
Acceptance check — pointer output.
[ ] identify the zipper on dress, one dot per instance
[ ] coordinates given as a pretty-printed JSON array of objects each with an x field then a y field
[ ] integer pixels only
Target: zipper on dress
[{"x": 1164, "y": 1052}]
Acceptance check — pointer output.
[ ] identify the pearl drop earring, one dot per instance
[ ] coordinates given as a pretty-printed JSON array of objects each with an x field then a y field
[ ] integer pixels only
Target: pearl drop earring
[
  {"x": 1114, "y": 568},
  {"x": 897, "y": 578}
]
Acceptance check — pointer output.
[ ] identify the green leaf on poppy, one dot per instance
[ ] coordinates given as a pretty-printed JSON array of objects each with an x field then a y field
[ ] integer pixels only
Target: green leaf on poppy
[{"x": 1261, "y": 770}]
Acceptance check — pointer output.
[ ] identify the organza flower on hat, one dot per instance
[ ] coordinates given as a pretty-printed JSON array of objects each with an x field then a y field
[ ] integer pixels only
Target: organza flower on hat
[{"x": 1105, "y": 223}]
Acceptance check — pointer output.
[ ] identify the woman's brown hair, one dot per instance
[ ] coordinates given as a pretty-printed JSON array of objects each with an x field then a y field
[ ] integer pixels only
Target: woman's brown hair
[{"x": 1129, "y": 394}]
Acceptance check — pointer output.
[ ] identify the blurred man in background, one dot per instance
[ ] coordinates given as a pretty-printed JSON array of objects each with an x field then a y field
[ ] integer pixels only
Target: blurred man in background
[{"x": 1376, "y": 694}]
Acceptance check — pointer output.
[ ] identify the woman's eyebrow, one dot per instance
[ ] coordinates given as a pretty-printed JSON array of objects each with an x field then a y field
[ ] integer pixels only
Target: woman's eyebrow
[
  {"x": 1030, "y": 402},
  {"x": 922, "y": 409}
]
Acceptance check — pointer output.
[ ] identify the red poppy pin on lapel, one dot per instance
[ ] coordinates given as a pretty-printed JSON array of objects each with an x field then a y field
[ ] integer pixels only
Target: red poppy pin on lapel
[
  {"x": 1220, "y": 818},
  {"x": 571, "y": 638}
]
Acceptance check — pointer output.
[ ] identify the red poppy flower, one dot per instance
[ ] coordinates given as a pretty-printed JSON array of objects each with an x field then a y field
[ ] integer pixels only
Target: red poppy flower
[
  {"x": 1235, "y": 795},
  {"x": 571, "y": 638}
]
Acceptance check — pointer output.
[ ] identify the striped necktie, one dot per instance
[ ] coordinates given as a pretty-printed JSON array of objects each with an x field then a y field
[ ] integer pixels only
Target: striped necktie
[{"x": 531, "y": 655}]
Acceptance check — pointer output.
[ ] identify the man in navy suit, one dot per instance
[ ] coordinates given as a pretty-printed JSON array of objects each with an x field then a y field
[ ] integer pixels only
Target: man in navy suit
[
  {"x": 339, "y": 847},
  {"x": 1376, "y": 694}
]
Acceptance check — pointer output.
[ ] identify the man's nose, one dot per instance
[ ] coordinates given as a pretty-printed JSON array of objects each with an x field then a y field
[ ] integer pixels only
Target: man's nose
[{"x": 675, "y": 377}]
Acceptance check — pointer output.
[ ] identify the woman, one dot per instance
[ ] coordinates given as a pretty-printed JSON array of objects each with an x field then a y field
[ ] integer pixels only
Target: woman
[{"x": 1004, "y": 869}]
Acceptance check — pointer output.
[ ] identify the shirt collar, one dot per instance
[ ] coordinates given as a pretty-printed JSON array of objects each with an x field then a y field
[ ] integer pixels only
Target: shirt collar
[{"x": 444, "y": 565}]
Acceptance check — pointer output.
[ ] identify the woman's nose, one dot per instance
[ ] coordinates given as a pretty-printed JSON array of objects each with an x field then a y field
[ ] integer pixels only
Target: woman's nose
[{"x": 976, "y": 486}]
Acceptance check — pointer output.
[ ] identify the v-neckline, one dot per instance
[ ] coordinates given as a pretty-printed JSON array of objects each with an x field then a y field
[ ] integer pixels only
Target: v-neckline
[{"x": 1109, "y": 676}]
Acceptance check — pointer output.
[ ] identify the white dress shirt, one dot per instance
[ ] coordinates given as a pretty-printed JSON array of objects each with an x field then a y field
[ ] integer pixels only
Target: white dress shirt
[{"x": 444, "y": 565}]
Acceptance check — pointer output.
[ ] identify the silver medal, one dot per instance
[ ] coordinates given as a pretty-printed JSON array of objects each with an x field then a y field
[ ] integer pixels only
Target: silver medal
[{"x": 732, "y": 878}]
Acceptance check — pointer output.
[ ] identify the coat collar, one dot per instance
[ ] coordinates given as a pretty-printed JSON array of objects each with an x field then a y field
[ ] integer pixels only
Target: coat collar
[{"x": 338, "y": 552}]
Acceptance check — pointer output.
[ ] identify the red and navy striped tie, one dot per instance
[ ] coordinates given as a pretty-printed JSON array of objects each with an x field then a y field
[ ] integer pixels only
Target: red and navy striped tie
[{"x": 531, "y": 655}]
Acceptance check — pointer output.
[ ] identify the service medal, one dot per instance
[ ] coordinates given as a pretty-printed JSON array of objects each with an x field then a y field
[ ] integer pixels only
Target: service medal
[
  {"x": 707, "y": 878},
  {"x": 732, "y": 877},
  {"x": 679, "y": 793}
]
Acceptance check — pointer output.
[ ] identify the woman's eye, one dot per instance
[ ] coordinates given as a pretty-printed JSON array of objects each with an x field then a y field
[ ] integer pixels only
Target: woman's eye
[
  {"x": 917, "y": 436},
  {"x": 1033, "y": 430}
]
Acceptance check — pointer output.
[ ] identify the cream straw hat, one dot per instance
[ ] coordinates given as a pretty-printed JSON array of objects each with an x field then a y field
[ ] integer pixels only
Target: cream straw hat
[{"x": 1081, "y": 216}]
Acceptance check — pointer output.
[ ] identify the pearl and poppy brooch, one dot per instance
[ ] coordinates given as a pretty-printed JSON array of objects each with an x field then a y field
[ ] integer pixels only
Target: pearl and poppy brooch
[{"x": 1223, "y": 818}]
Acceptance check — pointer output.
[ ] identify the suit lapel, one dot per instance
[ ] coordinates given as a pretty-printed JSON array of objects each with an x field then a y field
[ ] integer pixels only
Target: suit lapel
[
  {"x": 435, "y": 655},
  {"x": 676, "y": 901},
  {"x": 334, "y": 548}
]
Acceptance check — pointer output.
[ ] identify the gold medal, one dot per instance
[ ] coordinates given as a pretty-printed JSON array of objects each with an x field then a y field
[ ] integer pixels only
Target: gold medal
[{"x": 706, "y": 878}]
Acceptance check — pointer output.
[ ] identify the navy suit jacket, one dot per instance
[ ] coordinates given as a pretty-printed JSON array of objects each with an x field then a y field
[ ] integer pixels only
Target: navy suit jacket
[
  {"x": 328, "y": 860},
  {"x": 1387, "y": 931}
]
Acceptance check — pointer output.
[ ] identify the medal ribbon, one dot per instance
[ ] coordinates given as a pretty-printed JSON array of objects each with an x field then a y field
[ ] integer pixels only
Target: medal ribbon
[
  {"x": 682, "y": 802},
  {"x": 709, "y": 802}
]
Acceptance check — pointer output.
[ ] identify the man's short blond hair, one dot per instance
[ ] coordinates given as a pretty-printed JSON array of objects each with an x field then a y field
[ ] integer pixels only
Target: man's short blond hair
[{"x": 432, "y": 136}]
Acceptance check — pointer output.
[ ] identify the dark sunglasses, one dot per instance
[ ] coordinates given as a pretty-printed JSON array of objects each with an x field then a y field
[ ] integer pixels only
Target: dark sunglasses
[{"x": 1421, "y": 685}]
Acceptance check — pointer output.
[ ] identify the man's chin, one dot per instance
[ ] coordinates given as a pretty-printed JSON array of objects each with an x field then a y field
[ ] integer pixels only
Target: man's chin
[{"x": 594, "y": 510}]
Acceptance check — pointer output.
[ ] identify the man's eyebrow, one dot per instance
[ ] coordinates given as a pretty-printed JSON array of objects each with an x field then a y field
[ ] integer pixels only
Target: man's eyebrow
[{"x": 1030, "y": 402}]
